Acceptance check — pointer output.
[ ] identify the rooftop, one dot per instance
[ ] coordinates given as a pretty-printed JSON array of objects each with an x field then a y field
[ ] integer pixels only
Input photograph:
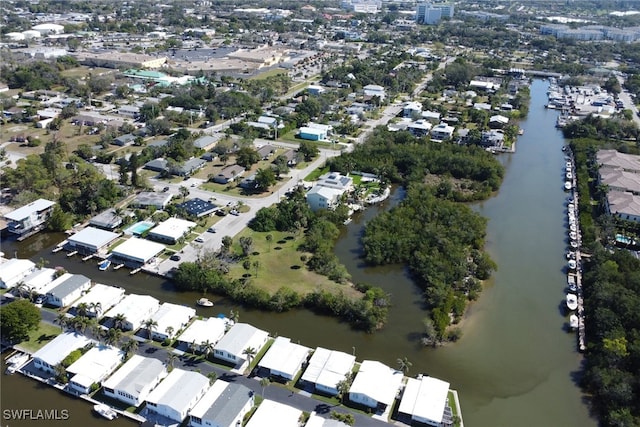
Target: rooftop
[{"x": 135, "y": 374}]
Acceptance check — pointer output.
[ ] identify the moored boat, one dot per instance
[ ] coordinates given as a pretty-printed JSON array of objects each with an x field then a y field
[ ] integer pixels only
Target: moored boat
[
  {"x": 574, "y": 322},
  {"x": 15, "y": 362},
  {"x": 572, "y": 264},
  {"x": 572, "y": 301},
  {"x": 567, "y": 185},
  {"x": 204, "y": 302},
  {"x": 104, "y": 265},
  {"x": 105, "y": 411}
]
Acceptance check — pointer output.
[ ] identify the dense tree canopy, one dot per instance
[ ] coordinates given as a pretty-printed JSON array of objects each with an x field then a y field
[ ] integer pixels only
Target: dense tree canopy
[{"x": 17, "y": 319}]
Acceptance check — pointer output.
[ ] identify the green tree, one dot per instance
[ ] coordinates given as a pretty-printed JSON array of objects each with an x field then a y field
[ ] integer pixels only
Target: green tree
[
  {"x": 150, "y": 325},
  {"x": 17, "y": 319},
  {"x": 404, "y": 365},
  {"x": 309, "y": 150},
  {"x": 265, "y": 178},
  {"x": 59, "y": 220},
  {"x": 250, "y": 352},
  {"x": 247, "y": 156}
]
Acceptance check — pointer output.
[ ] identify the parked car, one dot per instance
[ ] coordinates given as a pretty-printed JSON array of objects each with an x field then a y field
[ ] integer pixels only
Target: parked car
[
  {"x": 199, "y": 240},
  {"x": 234, "y": 212},
  {"x": 175, "y": 257},
  {"x": 211, "y": 230},
  {"x": 221, "y": 212},
  {"x": 165, "y": 189}
]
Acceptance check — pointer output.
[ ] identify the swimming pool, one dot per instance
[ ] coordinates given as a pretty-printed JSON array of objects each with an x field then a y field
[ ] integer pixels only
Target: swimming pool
[{"x": 138, "y": 228}]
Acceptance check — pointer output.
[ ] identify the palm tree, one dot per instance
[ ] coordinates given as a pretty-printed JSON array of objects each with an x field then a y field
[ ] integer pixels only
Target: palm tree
[
  {"x": 95, "y": 308},
  {"x": 404, "y": 365},
  {"x": 62, "y": 320},
  {"x": 150, "y": 325},
  {"x": 343, "y": 388},
  {"x": 212, "y": 377},
  {"x": 119, "y": 320},
  {"x": 234, "y": 315},
  {"x": 82, "y": 309},
  {"x": 171, "y": 359},
  {"x": 169, "y": 330},
  {"x": 264, "y": 382},
  {"x": 250, "y": 352},
  {"x": 42, "y": 263},
  {"x": 113, "y": 336},
  {"x": 207, "y": 348},
  {"x": 129, "y": 347},
  {"x": 184, "y": 192}
]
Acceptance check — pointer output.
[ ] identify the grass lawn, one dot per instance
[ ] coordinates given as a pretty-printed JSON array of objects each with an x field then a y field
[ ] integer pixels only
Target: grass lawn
[
  {"x": 313, "y": 176},
  {"x": 272, "y": 72},
  {"x": 40, "y": 337},
  {"x": 280, "y": 265}
]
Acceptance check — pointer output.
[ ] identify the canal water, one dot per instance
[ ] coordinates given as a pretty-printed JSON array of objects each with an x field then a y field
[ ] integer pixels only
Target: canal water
[{"x": 515, "y": 364}]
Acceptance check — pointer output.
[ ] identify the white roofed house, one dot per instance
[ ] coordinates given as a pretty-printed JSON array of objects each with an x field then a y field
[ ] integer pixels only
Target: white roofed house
[
  {"x": 135, "y": 252},
  {"x": 171, "y": 230},
  {"x": 412, "y": 108},
  {"x": 99, "y": 299},
  {"x": 210, "y": 331},
  {"x": 441, "y": 132},
  {"x": 12, "y": 271},
  {"x": 223, "y": 405},
  {"x": 93, "y": 367},
  {"x": 174, "y": 397},
  {"x": 91, "y": 240},
  {"x": 169, "y": 320},
  {"x": 329, "y": 189},
  {"x": 374, "y": 90},
  {"x": 327, "y": 368},
  {"x": 375, "y": 385},
  {"x": 30, "y": 218},
  {"x": 54, "y": 352},
  {"x": 135, "y": 309},
  {"x": 240, "y": 337},
  {"x": 133, "y": 382},
  {"x": 107, "y": 220},
  {"x": 498, "y": 121},
  {"x": 424, "y": 400},
  {"x": 419, "y": 128},
  {"x": 284, "y": 359},
  {"x": 271, "y": 413},
  {"x": 38, "y": 279},
  {"x": 68, "y": 290}
]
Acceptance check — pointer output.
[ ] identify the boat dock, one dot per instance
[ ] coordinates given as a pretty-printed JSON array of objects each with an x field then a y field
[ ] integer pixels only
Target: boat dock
[
  {"x": 72, "y": 253},
  {"x": 87, "y": 258}
]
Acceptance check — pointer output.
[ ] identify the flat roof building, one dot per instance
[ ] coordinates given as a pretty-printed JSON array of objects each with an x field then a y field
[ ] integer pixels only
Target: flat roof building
[
  {"x": 150, "y": 198},
  {"x": 91, "y": 240},
  {"x": 327, "y": 368},
  {"x": 375, "y": 385},
  {"x": 271, "y": 413},
  {"x": 135, "y": 309},
  {"x": 201, "y": 331},
  {"x": 68, "y": 290},
  {"x": 14, "y": 270},
  {"x": 133, "y": 382},
  {"x": 284, "y": 359},
  {"x": 171, "y": 230},
  {"x": 107, "y": 220},
  {"x": 198, "y": 207},
  {"x": 171, "y": 319},
  {"x": 136, "y": 252},
  {"x": 223, "y": 405},
  {"x": 93, "y": 367},
  {"x": 100, "y": 299},
  {"x": 51, "y": 354},
  {"x": 240, "y": 337},
  {"x": 424, "y": 400},
  {"x": 174, "y": 397}
]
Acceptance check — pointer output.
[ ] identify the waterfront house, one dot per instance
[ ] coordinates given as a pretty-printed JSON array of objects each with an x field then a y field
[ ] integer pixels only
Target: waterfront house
[
  {"x": 419, "y": 128},
  {"x": 223, "y": 405},
  {"x": 271, "y": 413},
  {"x": 375, "y": 385},
  {"x": 171, "y": 230},
  {"x": 284, "y": 359},
  {"x": 91, "y": 240},
  {"x": 13, "y": 270},
  {"x": 30, "y": 218},
  {"x": 107, "y": 220},
  {"x": 616, "y": 160},
  {"x": 170, "y": 319},
  {"x": 100, "y": 299},
  {"x": 174, "y": 397},
  {"x": 327, "y": 368},
  {"x": 498, "y": 121},
  {"x": 136, "y": 252},
  {"x": 133, "y": 382},
  {"x": 93, "y": 367},
  {"x": 441, "y": 132},
  {"x": 55, "y": 351},
  {"x": 67, "y": 290},
  {"x": 624, "y": 205},
  {"x": 228, "y": 174},
  {"x": 39, "y": 278},
  {"x": 209, "y": 330},
  {"x": 492, "y": 138},
  {"x": 135, "y": 309},
  {"x": 424, "y": 400},
  {"x": 323, "y": 198},
  {"x": 240, "y": 337}
]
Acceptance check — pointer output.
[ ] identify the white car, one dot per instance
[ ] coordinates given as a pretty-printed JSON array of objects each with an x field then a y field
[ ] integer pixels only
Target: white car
[{"x": 199, "y": 240}]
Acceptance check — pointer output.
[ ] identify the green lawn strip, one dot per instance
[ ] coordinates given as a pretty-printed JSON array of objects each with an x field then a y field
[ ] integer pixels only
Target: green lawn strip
[
  {"x": 272, "y": 72},
  {"x": 454, "y": 407},
  {"x": 256, "y": 359},
  {"x": 314, "y": 175},
  {"x": 281, "y": 267},
  {"x": 40, "y": 337}
]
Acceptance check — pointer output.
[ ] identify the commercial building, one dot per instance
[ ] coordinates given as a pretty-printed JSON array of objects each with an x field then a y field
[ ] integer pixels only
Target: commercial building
[
  {"x": 91, "y": 240},
  {"x": 135, "y": 252},
  {"x": 223, "y": 405},
  {"x": 432, "y": 13},
  {"x": 240, "y": 337},
  {"x": 284, "y": 359},
  {"x": 171, "y": 230},
  {"x": 170, "y": 319},
  {"x": 135, "y": 309},
  {"x": 424, "y": 400},
  {"x": 14, "y": 270},
  {"x": 67, "y": 289},
  {"x": 93, "y": 367},
  {"x": 54, "y": 352},
  {"x": 375, "y": 385},
  {"x": 174, "y": 397},
  {"x": 133, "y": 382},
  {"x": 327, "y": 368},
  {"x": 30, "y": 218}
]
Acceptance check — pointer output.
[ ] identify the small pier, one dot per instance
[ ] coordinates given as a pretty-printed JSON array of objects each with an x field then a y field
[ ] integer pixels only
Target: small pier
[
  {"x": 118, "y": 267},
  {"x": 72, "y": 253},
  {"x": 57, "y": 249},
  {"x": 87, "y": 258},
  {"x": 132, "y": 272}
]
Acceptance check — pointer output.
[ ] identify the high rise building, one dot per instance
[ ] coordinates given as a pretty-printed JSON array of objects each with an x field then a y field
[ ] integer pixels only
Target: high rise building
[{"x": 431, "y": 13}]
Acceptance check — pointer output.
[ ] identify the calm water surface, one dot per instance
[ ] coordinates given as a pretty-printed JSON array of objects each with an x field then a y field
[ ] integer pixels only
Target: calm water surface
[{"x": 515, "y": 365}]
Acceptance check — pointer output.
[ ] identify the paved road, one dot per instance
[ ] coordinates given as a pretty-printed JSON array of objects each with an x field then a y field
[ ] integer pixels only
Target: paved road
[{"x": 628, "y": 101}]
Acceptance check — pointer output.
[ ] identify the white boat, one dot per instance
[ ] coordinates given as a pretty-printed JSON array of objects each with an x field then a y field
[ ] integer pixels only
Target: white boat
[
  {"x": 105, "y": 411},
  {"x": 573, "y": 235},
  {"x": 104, "y": 265},
  {"x": 567, "y": 185},
  {"x": 572, "y": 301},
  {"x": 572, "y": 264},
  {"x": 572, "y": 227},
  {"x": 569, "y": 175},
  {"x": 15, "y": 362},
  {"x": 574, "y": 244},
  {"x": 574, "y": 322},
  {"x": 204, "y": 302}
]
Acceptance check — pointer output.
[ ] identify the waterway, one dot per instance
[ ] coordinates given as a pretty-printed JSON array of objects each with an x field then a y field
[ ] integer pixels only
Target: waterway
[{"x": 515, "y": 364}]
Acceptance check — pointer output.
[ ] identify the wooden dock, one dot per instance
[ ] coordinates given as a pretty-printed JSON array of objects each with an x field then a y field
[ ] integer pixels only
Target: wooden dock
[{"x": 72, "y": 253}]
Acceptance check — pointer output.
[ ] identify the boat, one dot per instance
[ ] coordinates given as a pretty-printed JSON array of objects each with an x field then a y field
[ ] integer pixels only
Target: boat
[
  {"x": 573, "y": 235},
  {"x": 15, "y": 362},
  {"x": 105, "y": 411},
  {"x": 572, "y": 227},
  {"x": 572, "y": 301},
  {"x": 574, "y": 322},
  {"x": 104, "y": 265},
  {"x": 204, "y": 302},
  {"x": 568, "y": 185},
  {"x": 569, "y": 175},
  {"x": 572, "y": 264},
  {"x": 574, "y": 244},
  {"x": 520, "y": 131}
]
